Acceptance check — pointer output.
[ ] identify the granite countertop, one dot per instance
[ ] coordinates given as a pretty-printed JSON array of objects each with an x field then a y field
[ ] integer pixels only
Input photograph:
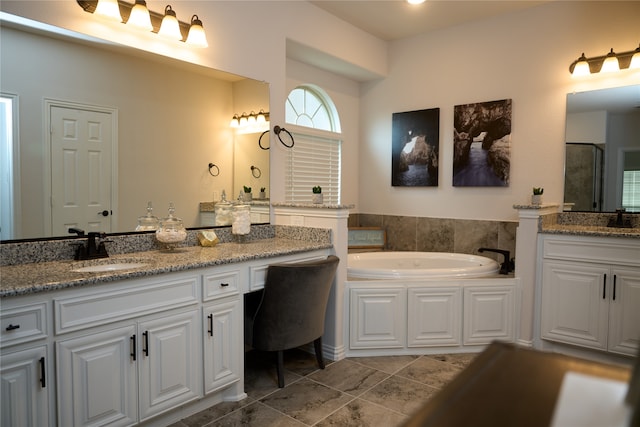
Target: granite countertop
[
  {"x": 47, "y": 276},
  {"x": 590, "y": 230}
]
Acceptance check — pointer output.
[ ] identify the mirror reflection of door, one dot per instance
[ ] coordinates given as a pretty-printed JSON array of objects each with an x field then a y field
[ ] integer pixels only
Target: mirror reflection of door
[{"x": 81, "y": 165}]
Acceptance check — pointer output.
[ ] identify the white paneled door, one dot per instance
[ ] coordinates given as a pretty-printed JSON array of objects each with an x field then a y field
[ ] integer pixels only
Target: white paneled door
[{"x": 81, "y": 169}]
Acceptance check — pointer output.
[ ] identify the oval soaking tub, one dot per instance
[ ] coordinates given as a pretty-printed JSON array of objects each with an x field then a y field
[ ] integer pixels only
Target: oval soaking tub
[{"x": 403, "y": 265}]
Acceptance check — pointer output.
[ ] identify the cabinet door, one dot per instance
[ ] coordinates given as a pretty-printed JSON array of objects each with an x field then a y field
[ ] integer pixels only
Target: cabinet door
[
  {"x": 434, "y": 317},
  {"x": 378, "y": 318},
  {"x": 25, "y": 395},
  {"x": 97, "y": 379},
  {"x": 488, "y": 314},
  {"x": 624, "y": 312},
  {"x": 168, "y": 362},
  {"x": 223, "y": 345},
  {"x": 575, "y": 306}
]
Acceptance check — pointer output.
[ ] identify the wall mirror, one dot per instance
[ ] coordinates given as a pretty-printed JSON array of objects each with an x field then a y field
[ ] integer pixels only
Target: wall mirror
[
  {"x": 602, "y": 157},
  {"x": 164, "y": 120}
]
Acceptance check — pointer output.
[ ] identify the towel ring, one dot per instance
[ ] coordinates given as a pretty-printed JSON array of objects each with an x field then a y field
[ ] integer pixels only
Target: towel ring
[
  {"x": 260, "y": 140},
  {"x": 211, "y": 166},
  {"x": 277, "y": 130},
  {"x": 255, "y": 174}
]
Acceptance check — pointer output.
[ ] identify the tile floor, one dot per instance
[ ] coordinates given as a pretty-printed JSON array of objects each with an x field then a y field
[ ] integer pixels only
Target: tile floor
[{"x": 370, "y": 391}]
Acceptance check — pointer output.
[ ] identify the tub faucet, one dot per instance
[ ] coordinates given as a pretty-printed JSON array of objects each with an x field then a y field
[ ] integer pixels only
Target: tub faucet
[{"x": 508, "y": 265}]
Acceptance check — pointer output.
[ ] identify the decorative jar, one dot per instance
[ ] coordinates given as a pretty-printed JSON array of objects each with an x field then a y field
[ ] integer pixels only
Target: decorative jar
[
  {"x": 148, "y": 222},
  {"x": 171, "y": 232}
]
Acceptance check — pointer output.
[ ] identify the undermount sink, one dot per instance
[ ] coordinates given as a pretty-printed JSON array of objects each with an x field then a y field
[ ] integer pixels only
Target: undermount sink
[{"x": 117, "y": 266}]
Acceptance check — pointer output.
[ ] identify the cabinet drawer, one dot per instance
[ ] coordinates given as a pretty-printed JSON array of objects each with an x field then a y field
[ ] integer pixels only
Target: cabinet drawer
[
  {"x": 220, "y": 285},
  {"x": 131, "y": 300},
  {"x": 23, "y": 324},
  {"x": 604, "y": 250}
]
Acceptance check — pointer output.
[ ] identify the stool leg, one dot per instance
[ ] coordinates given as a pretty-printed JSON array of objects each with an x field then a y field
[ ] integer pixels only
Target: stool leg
[
  {"x": 280, "y": 368},
  {"x": 317, "y": 345}
]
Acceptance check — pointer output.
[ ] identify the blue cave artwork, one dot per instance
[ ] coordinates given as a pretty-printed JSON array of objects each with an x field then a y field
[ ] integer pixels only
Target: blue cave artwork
[
  {"x": 482, "y": 144},
  {"x": 415, "y": 148}
]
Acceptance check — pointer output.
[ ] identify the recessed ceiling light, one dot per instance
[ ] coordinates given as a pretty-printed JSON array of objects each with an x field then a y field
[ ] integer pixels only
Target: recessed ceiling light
[{"x": 415, "y": 1}]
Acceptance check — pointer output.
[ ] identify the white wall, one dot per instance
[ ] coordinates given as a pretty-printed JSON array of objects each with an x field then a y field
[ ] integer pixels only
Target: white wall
[{"x": 524, "y": 56}]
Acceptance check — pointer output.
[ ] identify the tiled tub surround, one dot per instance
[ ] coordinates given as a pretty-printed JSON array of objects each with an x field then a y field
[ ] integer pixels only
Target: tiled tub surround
[
  {"x": 38, "y": 276},
  {"x": 425, "y": 234}
]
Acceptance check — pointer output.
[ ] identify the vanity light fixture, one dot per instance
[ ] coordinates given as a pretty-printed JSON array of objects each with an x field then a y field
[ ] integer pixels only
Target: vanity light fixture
[
  {"x": 170, "y": 26},
  {"x": 610, "y": 62},
  {"x": 109, "y": 9},
  {"x": 249, "y": 120},
  {"x": 137, "y": 15},
  {"x": 196, "y": 36}
]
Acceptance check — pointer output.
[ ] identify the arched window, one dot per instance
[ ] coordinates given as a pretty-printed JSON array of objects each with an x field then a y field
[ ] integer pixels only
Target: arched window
[{"x": 315, "y": 158}]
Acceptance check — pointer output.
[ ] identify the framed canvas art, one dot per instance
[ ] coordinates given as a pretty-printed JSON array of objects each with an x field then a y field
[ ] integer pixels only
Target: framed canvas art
[
  {"x": 482, "y": 144},
  {"x": 415, "y": 148}
]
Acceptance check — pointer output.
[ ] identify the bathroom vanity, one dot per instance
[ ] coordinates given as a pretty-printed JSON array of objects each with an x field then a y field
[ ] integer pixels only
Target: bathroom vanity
[
  {"x": 150, "y": 344},
  {"x": 590, "y": 292}
]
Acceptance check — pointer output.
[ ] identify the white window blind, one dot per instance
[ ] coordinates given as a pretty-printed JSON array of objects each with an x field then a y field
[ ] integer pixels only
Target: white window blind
[
  {"x": 631, "y": 191},
  {"x": 314, "y": 160}
]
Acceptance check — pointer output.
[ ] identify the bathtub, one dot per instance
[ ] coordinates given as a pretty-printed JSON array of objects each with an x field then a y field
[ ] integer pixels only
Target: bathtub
[{"x": 413, "y": 265}]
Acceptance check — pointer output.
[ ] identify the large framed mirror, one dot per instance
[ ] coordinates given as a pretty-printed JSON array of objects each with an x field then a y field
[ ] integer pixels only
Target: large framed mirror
[
  {"x": 602, "y": 157},
  {"x": 159, "y": 122}
]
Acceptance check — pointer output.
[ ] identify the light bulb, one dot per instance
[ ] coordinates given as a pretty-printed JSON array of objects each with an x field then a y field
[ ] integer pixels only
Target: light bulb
[
  {"x": 635, "y": 60},
  {"x": 581, "y": 68},
  {"x": 610, "y": 63},
  {"x": 170, "y": 26},
  {"x": 139, "y": 17},
  {"x": 108, "y": 9},
  {"x": 197, "y": 36}
]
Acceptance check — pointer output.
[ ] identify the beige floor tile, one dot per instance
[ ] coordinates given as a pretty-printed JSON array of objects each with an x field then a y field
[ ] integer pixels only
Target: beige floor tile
[
  {"x": 400, "y": 394},
  {"x": 388, "y": 364},
  {"x": 361, "y": 413},
  {"x": 307, "y": 401},
  {"x": 430, "y": 371},
  {"x": 349, "y": 377}
]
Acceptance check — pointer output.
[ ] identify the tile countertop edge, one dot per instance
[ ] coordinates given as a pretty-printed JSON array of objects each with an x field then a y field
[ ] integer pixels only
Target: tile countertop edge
[
  {"x": 578, "y": 230},
  {"x": 27, "y": 279}
]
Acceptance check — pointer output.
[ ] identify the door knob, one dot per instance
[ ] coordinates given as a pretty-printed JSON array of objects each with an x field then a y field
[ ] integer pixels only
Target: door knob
[{"x": 104, "y": 213}]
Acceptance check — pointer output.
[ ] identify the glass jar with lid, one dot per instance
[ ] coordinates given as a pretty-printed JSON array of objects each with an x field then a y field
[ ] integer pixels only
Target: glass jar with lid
[
  {"x": 148, "y": 222},
  {"x": 241, "y": 225},
  {"x": 171, "y": 232},
  {"x": 223, "y": 211}
]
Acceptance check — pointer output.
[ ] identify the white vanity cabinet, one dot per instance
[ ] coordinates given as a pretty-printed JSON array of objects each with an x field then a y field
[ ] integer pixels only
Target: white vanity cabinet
[
  {"x": 25, "y": 375},
  {"x": 148, "y": 350},
  {"x": 25, "y": 388},
  {"x": 590, "y": 292},
  {"x": 124, "y": 367},
  {"x": 223, "y": 329},
  {"x": 412, "y": 315}
]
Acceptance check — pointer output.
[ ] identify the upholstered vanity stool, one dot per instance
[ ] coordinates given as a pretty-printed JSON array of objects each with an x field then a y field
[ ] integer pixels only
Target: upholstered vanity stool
[{"x": 290, "y": 311}]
